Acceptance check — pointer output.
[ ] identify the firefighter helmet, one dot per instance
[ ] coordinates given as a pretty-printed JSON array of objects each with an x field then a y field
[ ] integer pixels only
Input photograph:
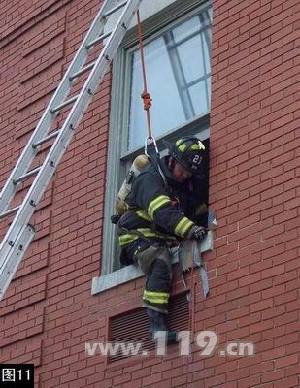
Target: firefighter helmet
[{"x": 188, "y": 151}]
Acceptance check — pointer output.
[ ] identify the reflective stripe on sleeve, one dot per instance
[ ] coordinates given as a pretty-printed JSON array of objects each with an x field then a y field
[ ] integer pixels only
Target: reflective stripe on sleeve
[
  {"x": 127, "y": 239},
  {"x": 183, "y": 226},
  {"x": 143, "y": 214},
  {"x": 157, "y": 203}
]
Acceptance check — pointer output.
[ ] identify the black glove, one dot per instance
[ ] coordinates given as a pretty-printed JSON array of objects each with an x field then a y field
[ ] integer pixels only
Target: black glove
[{"x": 197, "y": 233}]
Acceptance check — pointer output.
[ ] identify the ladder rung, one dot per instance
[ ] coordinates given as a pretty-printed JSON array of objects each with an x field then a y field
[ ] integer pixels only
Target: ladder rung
[
  {"x": 66, "y": 103},
  {"x": 98, "y": 40},
  {"x": 27, "y": 175},
  {"x": 115, "y": 9},
  {"x": 83, "y": 70},
  {"x": 10, "y": 211},
  {"x": 51, "y": 136}
]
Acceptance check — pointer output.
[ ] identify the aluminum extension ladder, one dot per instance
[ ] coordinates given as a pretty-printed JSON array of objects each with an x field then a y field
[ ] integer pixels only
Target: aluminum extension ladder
[{"x": 20, "y": 233}]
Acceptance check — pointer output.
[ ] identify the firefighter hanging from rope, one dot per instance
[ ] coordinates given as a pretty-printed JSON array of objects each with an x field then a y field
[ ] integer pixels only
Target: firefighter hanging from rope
[{"x": 165, "y": 205}]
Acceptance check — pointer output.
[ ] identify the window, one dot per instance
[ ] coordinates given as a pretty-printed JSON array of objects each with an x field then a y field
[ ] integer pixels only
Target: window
[{"x": 178, "y": 70}]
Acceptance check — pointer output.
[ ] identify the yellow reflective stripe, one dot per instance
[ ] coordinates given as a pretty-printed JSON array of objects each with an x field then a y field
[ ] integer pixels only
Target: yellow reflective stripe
[
  {"x": 156, "y": 297},
  {"x": 147, "y": 232},
  {"x": 157, "y": 203},
  {"x": 143, "y": 214},
  {"x": 197, "y": 147},
  {"x": 130, "y": 237},
  {"x": 126, "y": 239},
  {"x": 157, "y": 293},
  {"x": 182, "y": 147},
  {"x": 156, "y": 301},
  {"x": 183, "y": 226},
  {"x": 150, "y": 234}
]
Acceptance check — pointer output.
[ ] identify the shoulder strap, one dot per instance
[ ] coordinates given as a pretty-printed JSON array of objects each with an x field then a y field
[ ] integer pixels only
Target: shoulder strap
[{"x": 152, "y": 152}]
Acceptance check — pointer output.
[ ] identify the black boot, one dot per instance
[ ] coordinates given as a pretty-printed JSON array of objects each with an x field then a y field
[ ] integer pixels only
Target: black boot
[{"x": 158, "y": 323}]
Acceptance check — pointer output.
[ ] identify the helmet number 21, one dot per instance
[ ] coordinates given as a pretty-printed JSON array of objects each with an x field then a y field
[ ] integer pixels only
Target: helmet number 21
[{"x": 197, "y": 159}]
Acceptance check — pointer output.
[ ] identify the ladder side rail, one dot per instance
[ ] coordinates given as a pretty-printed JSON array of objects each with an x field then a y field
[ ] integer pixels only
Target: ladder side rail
[
  {"x": 96, "y": 27},
  {"x": 113, "y": 43},
  {"x": 10, "y": 268},
  {"x": 57, "y": 150},
  {"x": 28, "y": 154}
]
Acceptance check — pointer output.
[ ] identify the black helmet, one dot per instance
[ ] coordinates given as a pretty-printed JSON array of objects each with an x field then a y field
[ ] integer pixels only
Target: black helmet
[{"x": 188, "y": 151}]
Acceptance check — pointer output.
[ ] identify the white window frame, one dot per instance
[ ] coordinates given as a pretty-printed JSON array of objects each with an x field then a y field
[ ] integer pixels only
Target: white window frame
[{"x": 152, "y": 26}]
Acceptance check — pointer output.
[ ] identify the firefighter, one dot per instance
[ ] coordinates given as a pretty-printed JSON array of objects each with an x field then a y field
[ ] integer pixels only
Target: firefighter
[{"x": 164, "y": 203}]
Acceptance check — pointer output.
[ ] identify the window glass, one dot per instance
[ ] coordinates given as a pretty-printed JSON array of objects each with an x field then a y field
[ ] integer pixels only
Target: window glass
[
  {"x": 192, "y": 70},
  {"x": 178, "y": 75},
  {"x": 199, "y": 97}
]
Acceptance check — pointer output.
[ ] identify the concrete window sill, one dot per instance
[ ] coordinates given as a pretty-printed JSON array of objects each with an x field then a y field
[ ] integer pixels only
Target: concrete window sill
[{"x": 131, "y": 272}]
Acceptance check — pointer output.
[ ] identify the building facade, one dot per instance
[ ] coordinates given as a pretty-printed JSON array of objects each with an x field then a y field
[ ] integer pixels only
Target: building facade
[{"x": 226, "y": 71}]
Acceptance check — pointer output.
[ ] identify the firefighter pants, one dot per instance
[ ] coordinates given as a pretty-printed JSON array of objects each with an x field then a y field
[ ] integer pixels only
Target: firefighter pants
[{"x": 155, "y": 262}]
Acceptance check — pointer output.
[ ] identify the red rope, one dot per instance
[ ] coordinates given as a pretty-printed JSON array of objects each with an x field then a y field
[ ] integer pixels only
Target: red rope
[{"x": 145, "y": 95}]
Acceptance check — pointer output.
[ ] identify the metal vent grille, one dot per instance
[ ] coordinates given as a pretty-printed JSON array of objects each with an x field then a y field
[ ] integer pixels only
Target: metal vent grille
[{"x": 132, "y": 326}]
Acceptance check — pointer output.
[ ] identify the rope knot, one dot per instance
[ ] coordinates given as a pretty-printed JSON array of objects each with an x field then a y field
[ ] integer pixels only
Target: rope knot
[{"x": 147, "y": 100}]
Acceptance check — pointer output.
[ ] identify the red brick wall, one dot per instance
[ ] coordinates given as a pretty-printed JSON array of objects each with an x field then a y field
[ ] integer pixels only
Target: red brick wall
[{"x": 48, "y": 313}]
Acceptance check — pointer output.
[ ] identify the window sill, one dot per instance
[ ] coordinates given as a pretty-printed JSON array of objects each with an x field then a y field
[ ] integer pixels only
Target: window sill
[{"x": 131, "y": 272}]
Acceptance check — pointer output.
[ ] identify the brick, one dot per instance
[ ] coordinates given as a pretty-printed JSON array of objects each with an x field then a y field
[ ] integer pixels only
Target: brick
[
  {"x": 17, "y": 327},
  {"x": 249, "y": 320},
  {"x": 237, "y": 313},
  {"x": 248, "y": 382},
  {"x": 291, "y": 381},
  {"x": 263, "y": 305},
  {"x": 272, "y": 376},
  {"x": 262, "y": 267},
  {"x": 287, "y": 339},
  {"x": 133, "y": 383},
  {"x": 286, "y": 361},
  {"x": 292, "y": 370},
  {"x": 274, "y": 291},
  {"x": 240, "y": 292},
  {"x": 237, "y": 375},
  {"x": 272, "y": 313},
  {"x": 152, "y": 379},
  {"x": 124, "y": 377},
  {"x": 285, "y": 298},
  {"x": 261, "y": 326},
  {"x": 250, "y": 279},
  {"x": 286, "y": 318},
  {"x": 216, "y": 380}
]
